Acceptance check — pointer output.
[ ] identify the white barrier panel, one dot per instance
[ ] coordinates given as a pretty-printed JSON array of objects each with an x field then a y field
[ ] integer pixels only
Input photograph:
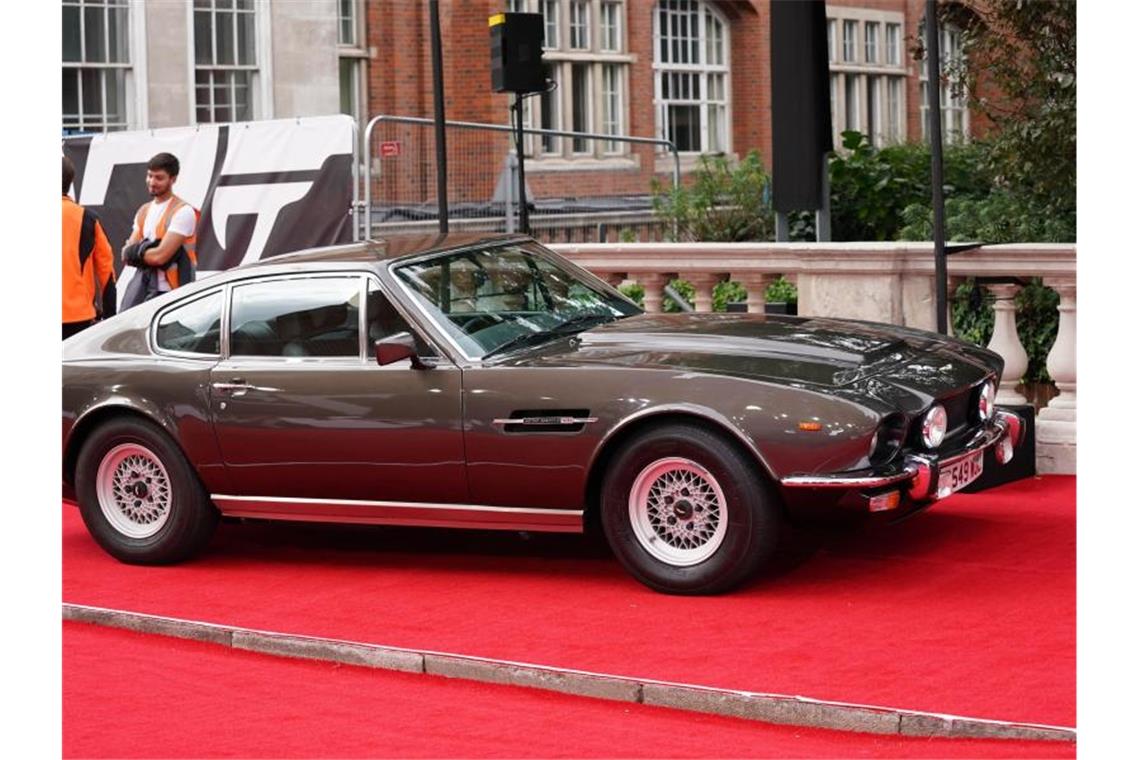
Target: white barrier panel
[{"x": 263, "y": 188}]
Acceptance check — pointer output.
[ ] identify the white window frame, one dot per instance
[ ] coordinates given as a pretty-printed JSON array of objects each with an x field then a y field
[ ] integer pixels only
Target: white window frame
[
  {"x": 868, "y": 77},
  {"x": 551, "y": 152},
  {"x": 952, "y": 107},
  {"x": 129, "y": 84},
  {"x": 355, "y": 55},
  {"x": 871, "y": 47},
  {"x": 701, "y": 68},
  {"x": 260, "y": 94}
]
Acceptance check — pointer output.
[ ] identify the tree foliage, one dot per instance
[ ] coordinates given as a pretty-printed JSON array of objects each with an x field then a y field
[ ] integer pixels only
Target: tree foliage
[{"x": 1020, "y": 71}]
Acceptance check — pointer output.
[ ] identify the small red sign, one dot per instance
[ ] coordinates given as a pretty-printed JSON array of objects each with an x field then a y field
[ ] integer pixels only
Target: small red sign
[{"x": 389, "y": 148}]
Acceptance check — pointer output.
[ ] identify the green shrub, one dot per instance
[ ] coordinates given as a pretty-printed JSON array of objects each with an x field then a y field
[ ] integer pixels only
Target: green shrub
[
  {"x": 721, "y": 203},
  {"x": 781, "y": 291},
  {"x": 634, "y": 291}
]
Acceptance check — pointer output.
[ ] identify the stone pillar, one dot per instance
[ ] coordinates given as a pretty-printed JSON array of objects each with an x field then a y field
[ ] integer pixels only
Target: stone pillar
[
  {"x": 952, "y": 284},
  {"x": 653, "y": 283},
  {"x": 1006, "y": 343},
  {"x": 756, "y": 285},
  {"x": 703, "y": 285},
  {"x": 1057, "y": 423}
]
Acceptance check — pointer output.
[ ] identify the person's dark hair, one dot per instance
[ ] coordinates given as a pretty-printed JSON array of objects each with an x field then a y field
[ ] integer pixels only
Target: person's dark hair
[
  {"x": 68, "y": 174},
  {"x": 165, "y": 162}
]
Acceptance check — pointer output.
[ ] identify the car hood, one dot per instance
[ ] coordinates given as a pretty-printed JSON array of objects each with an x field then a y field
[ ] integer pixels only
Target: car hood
[{"x": 803, "y": 350}]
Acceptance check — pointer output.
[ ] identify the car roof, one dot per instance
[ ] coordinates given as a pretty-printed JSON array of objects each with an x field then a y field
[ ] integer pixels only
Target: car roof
[{"x": 388, "y": 248}]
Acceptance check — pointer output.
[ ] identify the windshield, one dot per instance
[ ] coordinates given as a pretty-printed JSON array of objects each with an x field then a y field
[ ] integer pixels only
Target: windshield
[{"x": 494, "y": 300}]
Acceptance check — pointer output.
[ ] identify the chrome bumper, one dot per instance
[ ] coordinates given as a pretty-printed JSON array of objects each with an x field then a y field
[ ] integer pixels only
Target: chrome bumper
[{"x": 919, "y": 472}]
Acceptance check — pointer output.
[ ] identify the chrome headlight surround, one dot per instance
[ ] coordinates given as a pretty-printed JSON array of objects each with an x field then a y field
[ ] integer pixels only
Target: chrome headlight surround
[
  {"x": 986, "y": 407},
  {"x": 888, "y": 439},
  {"x": 934, "y": 426}
]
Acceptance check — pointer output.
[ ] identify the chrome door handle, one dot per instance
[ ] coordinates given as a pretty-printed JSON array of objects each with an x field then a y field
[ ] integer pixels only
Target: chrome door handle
[{"x": 239, "y": 387}]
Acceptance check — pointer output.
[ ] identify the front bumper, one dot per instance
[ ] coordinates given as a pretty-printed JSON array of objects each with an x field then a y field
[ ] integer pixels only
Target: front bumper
[{"x": 917, "y": 474}]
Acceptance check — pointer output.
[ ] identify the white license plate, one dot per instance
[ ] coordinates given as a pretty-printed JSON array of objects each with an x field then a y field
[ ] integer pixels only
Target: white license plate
[{"x": 959, "y": 475}]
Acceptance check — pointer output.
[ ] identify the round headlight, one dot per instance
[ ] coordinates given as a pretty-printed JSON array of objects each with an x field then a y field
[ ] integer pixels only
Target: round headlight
[
  {"x": 934, "y": 427},
  {"x": 986, "y": 406}
]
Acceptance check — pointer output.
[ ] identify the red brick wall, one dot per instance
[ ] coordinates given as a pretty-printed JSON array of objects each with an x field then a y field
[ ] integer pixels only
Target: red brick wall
[{"x": 400, "y": 84}]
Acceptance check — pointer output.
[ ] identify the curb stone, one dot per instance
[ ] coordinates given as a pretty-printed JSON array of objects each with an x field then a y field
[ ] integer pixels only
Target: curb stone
[{"x": 770, "y": 708}]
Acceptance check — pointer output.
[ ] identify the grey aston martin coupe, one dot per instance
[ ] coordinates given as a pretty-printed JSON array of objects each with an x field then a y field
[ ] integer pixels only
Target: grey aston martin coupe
[{"x": 485, "y": 382}]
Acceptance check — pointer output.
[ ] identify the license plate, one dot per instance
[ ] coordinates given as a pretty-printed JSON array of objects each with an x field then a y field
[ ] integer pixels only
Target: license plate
[{"x": 959, "y": 475}]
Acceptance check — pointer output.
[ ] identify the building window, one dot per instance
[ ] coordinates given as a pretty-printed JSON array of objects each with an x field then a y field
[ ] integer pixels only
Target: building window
[
  {"x": 850, "y": 32},
  {"x": 225, "y": 60},
  {"x": 894, "y": 34},
  {"x": 952, "y": 95},
  {"x": 870, "y": 42},
  {"x": 831, "y": 40},
  {"x": 691, "y": 75},
  {"x": 96, "y": 65},
  {"x": 579, "y": 25},
  {"x": 550, "y": 20},
  {"x": 587, "y": 68},
  {"x": 611, "y": 105},
  {"x": 867, "y": 83},
  {"x": 610, "y": 27},
  {"x": 353, "y": 59}
]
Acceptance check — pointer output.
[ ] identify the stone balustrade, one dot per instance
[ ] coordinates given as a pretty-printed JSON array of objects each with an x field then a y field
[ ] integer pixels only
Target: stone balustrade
[{"x": 879, "y": 282}]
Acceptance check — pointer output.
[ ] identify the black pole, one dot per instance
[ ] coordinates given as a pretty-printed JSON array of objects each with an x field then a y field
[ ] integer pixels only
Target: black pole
[
  {"x": 524, "y": 213},
  {"x": 440, "y": 118},
  {"x": 934, "y": 103}
]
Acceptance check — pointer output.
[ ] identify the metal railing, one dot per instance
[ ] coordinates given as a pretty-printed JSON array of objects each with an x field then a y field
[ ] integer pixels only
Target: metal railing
[{"x": 483, "y": 180}]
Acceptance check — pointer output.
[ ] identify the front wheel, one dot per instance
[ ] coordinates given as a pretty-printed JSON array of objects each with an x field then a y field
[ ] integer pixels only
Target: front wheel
[
  {"x": 139, "y": 497},
  {"x": 686, "y": 512}
]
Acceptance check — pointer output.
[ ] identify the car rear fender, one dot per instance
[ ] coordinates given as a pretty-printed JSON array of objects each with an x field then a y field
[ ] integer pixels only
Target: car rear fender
[{"x": 109, "y": 408}]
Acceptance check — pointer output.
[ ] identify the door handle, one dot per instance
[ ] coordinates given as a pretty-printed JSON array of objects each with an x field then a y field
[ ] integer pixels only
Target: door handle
[{"x": 239, "y": 387}]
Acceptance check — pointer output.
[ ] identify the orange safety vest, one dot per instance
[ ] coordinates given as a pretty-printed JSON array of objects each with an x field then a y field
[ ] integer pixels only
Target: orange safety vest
[
  {"x": 189, "y": 244},
  {"x": 88, "y": 265}
]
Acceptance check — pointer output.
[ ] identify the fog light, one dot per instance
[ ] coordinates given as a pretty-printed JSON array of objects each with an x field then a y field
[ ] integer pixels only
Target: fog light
[
  {"x": 934, "y": 427},
  {"x": 884, "y": 501}
]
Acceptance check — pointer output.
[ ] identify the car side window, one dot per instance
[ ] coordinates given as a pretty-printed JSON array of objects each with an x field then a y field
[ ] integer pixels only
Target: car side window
[
  {"x": 194, "y": 327},
  {"x": 296, "y": 317}
]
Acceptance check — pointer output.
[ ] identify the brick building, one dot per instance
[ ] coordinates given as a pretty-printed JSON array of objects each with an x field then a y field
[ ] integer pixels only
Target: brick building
[{"x": 696, "y": 72}]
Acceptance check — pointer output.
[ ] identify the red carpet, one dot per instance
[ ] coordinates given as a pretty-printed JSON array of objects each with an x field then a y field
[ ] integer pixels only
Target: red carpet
[
  {"x": 968, "y": 609},
  {"x": 131, "y": 695}
]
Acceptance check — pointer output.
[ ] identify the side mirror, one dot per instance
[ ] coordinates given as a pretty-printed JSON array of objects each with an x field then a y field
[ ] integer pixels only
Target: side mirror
[{"x": 396, "y": 347}]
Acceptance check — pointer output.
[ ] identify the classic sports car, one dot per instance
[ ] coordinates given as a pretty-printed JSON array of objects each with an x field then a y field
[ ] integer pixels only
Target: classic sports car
[{"x": 485, "y": 382}]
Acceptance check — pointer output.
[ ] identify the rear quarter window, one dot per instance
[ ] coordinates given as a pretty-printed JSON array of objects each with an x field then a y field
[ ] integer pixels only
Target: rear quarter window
[{"x": 193, "y": 328}]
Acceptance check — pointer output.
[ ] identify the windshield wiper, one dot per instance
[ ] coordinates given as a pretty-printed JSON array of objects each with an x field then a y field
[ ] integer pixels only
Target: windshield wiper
[
  {"x": 578, "y": 322},
  {"x": 575, "y": 324}
]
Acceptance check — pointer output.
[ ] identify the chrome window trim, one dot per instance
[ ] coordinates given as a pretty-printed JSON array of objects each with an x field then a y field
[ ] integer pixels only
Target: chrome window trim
[
  {"x": 360, "y": 357},
  {"x": 403, "y": 311},
  {"x": 152, "y": 331},
  {"x": 533, "y": 247}
]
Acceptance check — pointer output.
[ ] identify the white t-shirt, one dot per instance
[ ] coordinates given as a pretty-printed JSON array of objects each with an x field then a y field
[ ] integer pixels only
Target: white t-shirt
[{"x": 182, "y": 223}]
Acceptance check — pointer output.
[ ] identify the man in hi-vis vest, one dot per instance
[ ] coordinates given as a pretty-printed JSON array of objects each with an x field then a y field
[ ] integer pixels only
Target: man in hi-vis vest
[
  {"x": 161, "y": 244},
  {"x": 88, "y": 264}
]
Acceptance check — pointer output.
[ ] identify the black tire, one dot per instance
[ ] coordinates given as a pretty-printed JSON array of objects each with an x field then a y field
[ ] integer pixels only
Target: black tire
[
  {"x": 174, "y": 499},
  {"x": 749, "y": 508}
]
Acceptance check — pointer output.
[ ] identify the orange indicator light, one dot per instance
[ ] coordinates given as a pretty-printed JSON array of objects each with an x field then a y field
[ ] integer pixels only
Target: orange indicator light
[
  {"x": 883, "y": 502},
  {"x": 811, "y": 427}
]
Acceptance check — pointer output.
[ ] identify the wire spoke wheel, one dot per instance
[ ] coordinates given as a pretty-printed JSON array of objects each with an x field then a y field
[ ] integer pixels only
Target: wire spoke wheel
[
  {"x": 678, "y": 511},
  {"x": 133, "y": 490}
]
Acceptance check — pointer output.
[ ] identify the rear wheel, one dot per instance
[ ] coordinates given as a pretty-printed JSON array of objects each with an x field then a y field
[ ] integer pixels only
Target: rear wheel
[
  {"x": 139, "y": 497},
  {"x": 686, "y": 512}
]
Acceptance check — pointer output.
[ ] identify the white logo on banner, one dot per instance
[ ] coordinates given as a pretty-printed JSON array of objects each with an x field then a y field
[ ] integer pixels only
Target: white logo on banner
[{"x": 253, "y": 148}]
